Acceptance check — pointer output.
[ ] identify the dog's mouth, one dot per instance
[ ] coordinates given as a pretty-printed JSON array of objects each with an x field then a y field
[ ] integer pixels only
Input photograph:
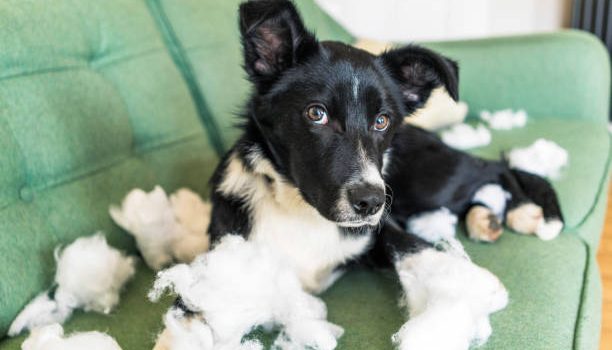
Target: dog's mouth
[
  {"x": 354, "y": 224},
  {"x": 371, "y": 220}
]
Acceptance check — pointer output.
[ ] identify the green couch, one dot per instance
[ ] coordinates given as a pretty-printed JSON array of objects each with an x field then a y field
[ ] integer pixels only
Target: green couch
[{"x": 99, "y": 97}]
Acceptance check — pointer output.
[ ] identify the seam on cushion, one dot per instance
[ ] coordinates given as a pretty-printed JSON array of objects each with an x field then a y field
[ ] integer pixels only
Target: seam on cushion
[
  {"x": 42, "y": 71},
  {"x": 179, "y": 56},
  {"x": 84, "y": 173},
  {"x": 585, "y": 282},
  {"x": 86, "y": 65},
  {"x": 102, "y": 62},
  {"x": 24, "y": 169},
  {"x": 600, "y": 187}
]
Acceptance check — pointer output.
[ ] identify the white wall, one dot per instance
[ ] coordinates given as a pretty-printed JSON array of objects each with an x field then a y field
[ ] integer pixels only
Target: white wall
[{"x": 407, "y": 20}]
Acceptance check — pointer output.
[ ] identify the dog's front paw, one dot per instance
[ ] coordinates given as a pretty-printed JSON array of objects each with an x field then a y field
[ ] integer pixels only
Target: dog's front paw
[
  {"x": 444, "y": 326},
  {"x": 450, "y": 300},
  {"x": 309, "y": 334}
]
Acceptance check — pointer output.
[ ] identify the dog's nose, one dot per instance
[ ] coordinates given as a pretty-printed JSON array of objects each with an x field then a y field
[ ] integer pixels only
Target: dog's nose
[{"x": 366, "y": 200}]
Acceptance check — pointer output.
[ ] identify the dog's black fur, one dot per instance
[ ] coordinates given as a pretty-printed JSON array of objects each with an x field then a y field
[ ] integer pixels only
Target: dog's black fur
[{"x": 292, "y": 71}]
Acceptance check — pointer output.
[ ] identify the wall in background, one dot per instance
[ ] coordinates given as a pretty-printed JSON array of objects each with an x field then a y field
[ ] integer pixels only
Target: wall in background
[{"x": 409, "y": 20}]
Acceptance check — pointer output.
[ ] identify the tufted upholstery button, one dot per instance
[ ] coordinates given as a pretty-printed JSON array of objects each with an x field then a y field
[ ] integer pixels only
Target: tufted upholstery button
[{"x": 26, "y": 194}]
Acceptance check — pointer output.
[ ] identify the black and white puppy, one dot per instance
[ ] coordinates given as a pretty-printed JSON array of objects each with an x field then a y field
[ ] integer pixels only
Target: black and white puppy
[{"x": 323, "y": 172}]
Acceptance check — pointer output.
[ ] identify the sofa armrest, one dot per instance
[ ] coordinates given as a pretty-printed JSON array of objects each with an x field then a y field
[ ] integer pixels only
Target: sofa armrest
[{"x": 562, "y": 75}]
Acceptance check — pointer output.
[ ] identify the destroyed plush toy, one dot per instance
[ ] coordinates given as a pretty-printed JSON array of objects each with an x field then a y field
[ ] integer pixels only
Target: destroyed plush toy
[{"x": 90, "y": 275}]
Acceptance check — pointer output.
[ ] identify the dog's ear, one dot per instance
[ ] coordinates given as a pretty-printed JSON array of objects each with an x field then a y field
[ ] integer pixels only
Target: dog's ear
[
  {"x": 273, "y": 38},
  {"x": 418, "y": 71}
]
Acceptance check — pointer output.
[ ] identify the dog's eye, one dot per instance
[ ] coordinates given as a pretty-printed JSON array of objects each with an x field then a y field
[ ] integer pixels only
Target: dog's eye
[
  {"x": 381, "y": 123},
  {"x": 317, "y": 114}
]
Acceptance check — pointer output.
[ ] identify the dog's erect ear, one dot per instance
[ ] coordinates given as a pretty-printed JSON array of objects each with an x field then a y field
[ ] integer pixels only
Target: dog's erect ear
[
  {"x": 418, "y": 71},
  {"x": 274, "y": 39}
]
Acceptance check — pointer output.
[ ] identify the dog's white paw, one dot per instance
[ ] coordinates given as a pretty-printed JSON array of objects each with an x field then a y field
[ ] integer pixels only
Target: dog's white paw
[
  {"x": 445, "y": 325},
  {"x": 447, "y": 295},
  {"x": 550, "y": 229},
  {"x": 525, "y": 218}
]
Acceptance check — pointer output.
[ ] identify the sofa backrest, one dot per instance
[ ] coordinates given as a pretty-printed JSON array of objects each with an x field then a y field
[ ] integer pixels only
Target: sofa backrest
[{"x": 99, "y": 97}]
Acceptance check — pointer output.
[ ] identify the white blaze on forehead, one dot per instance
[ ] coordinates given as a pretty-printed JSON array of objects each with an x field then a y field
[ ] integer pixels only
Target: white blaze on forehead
[
  {"x": 355, "y": 87},
  {"x": 368, "y": 171},
  {"x": 386, "y": 161}
]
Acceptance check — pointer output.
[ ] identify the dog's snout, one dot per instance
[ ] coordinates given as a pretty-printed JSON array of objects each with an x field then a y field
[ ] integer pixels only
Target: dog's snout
[{"x": 366, "y": 200}]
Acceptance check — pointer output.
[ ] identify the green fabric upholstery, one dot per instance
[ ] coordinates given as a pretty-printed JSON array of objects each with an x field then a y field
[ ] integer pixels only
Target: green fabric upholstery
[
  {"x": 99, "y": 97},
  {"x": 91, "y": 105},
  {"x": 547, "y": 75}
]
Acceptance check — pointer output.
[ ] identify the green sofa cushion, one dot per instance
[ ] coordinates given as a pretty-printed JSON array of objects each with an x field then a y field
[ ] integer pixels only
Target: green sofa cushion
[
  {"x": 559, "y": 74},
  {"x": 537, "y": 274},
  {"x": 91, "y": 106}
]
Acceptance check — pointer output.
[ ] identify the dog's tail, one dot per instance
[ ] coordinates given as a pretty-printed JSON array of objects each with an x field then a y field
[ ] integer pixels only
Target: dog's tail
[{"x": 532, "y": 197}]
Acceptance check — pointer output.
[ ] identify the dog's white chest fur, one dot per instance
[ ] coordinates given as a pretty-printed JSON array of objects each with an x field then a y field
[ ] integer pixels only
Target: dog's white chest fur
[
  {"x": 311, "y": 243},
  {"x": 281, "y": 219}
]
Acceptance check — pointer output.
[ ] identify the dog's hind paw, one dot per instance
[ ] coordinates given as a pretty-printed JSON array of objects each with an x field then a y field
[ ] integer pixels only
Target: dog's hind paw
[
  {"x": 525, "y": 218},
  {"x": 483, "y": 225},
  {"x": 549, "y": 229}
]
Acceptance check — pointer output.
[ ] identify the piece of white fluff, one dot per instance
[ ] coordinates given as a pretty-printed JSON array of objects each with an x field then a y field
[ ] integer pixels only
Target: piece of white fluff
[
  {"x": 464, "y": 136},
  {"x": 449, "y": 300},
  {"x": 41, "y": 311},
  {"x": 240, "y": 285},
  {"x": 90, "y": 275},
  {"x": 494, "y": 197},
  {"x": 52, "y": 337},
  {"x": 166, "y": 229},
  {"x": 543, "y": 157},
  {"x": 505, "y": 119}
]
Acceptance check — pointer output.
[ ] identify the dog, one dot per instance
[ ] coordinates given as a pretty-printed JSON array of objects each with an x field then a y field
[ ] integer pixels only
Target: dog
[{"x": 326, "y": 173}]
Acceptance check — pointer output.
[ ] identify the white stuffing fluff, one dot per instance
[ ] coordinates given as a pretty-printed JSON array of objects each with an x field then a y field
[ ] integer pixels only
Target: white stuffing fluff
[
  {"x": 505, "y": 119},
  {"x": 41, "y": 311},
  {"x": 184, "y": 334},
  {"x": 543, "y": 157},
  {"x": 89, "y": 275},
  {"x": 464, "y": 136},
  {"x": 166, "y": 229},
  {"x": 241, "y": 285},
  {"x": 449, "y": 299},
  {"x": 51, "y": 337},
  {"x": 494, "y": 197}
]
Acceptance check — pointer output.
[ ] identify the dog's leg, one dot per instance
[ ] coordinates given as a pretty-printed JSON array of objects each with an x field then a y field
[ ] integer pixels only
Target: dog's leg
[
  {"x": 534, "y": 208},
  {"x": 543, "y": 195},
  {"x": 484, "y": 218},
  {"x": 237, "y": 287},
  {"x": 449, "y": 298}
]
